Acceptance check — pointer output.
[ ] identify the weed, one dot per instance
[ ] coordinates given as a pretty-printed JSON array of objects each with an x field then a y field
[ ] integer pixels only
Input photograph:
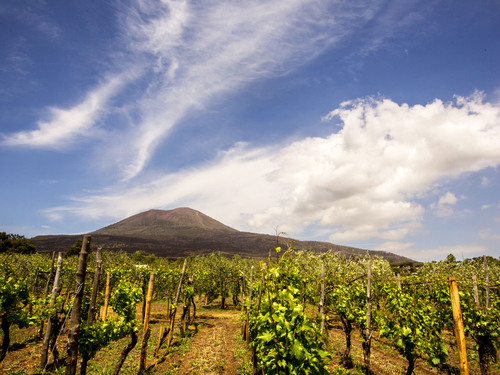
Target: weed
[
  {"x": 221, "y": 366},
  {"x": 341, "y": 371},
  {"x": 242, "y": 354},
  {"x": 357, "y": 370},
  {"x": 16, "y": 372}
]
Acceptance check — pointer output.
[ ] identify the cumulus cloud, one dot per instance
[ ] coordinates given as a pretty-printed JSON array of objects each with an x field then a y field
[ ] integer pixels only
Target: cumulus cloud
[
  {"x": 362, "y": 182},
  {"x": 443, "y": 206}
]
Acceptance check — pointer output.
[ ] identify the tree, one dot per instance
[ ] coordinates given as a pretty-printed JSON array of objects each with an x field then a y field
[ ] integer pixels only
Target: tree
[
  {"x": 451, "y": 259},
  {"x": 75, "y": 249},
  {"x": 14, "y": 243}
]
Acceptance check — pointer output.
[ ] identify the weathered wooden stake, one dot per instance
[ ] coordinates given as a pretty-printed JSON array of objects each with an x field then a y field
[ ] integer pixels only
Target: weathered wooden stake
[
  {"x": 91, "y": 312},
  {"x": 260, "y": 292},
  {"x": 47, "y": 284},
  {"x": 45, "y": 291},
  {"x": 148, "y": 302},
  {"x": 459, "y": 326},
  {"x": 174, "y": 312},
  {"x": 159, "y": 340},
  {"x": 74, "y": 329},
  {"x": 322, "y": 299},
  {"x": 368, "y": 334},
  {"x": 48, "y": 332},
  {"x": 487, "y": 281},
  {"x": 250, "y": 289},
  {"x": 106, "y": 297},
  {"x": 95, "y": 286},
  {"x": 243, "y": 292},
  {"x": 475, "y": 290},
  {"x": 146, "y": 332},
  {"x": 247, "y": 325}
]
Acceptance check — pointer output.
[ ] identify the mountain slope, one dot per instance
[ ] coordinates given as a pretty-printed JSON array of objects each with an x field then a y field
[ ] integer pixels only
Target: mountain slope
[
  {"x": 183, "y": 231},
  {"x": 160, "y": 224}
]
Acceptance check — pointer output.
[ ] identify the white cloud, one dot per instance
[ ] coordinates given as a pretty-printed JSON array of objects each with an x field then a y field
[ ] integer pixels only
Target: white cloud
[
  {"x": 192, "y": 53},
  {"x": 360, "y": 183},
  {"x": 448, "y": 198},
  {"x": 32, "y": 17},
  {"x": 234, "y": 184},
  {"x": 201, "y": 51},
  {"x": 485, "y": 234},
  {"x": 438, "y": 253},
  {"x": 65, "y": 125},
  {"x": 443, "y": 206}
]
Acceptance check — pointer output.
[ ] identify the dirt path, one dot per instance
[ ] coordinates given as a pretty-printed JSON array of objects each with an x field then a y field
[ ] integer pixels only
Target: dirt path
[{"x": 215, "y": 349}]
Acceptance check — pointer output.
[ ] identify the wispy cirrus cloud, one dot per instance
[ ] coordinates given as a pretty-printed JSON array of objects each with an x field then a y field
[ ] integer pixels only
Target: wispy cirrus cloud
[
  {"x": 65, "y": 125},
  {"x": 31, "y": 15},
  {"x": 192, "y": 53},
  {"x": 363, "y": 182},
  {"x": 202, "y": 51}
]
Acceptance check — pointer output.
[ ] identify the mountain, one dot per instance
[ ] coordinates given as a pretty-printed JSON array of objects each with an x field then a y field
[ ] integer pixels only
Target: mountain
[
  {"x": 161, "y": 224},
  {"x": 183, "y": 231}
]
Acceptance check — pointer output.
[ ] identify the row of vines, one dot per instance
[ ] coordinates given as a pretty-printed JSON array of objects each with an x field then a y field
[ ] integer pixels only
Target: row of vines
[
  {"x": 288, "y": 306},
  {"x": 412, "y": 313}
]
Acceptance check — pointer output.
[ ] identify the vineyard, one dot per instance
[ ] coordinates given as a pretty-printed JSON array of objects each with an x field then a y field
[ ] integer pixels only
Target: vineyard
[{"x": 293, "y": 313}]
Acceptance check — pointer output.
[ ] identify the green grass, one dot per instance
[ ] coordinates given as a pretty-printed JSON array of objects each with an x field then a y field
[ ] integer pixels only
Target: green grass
[{"x": 244, "y": 357}]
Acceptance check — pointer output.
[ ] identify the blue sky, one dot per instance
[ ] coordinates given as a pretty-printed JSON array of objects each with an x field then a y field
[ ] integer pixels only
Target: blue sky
[{"x": 373, "y": 124}]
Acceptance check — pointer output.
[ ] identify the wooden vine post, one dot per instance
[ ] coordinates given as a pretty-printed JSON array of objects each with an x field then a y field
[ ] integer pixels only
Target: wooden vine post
[
  {"x": 487, "y": 281},
  {"x": 106, "y": 297},
  {"x": 158, "y": 344},
  {"x": 368, "y": 333},
  {"x": 95, "y": 286},
  {"x": 459, "y": 326},
  {"x": 243, "y": 292},
  {"x": 48, "y": 332},
  {"x": 146, "y": 331},
  {"x": 475, "y": 290},
  {"x": 91, "y": 312},
  {"x": 45, "y": 291},
  {"x": 74, "y": 328},
  {"x": 247, "y": 326},
  {"x": 174, "y": 312},
  {"x": 47, "y": 284},
  {"x": 259, "y": 299},
  {"x": 322, "y": 299}
]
